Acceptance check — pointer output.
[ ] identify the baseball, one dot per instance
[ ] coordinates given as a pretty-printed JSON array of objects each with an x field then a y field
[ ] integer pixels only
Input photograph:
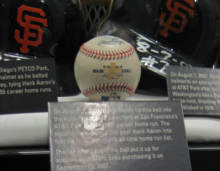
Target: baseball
[{"x": 107, "y": 68}]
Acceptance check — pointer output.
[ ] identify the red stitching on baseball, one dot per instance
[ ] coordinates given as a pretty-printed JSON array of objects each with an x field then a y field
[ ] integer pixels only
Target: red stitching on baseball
[
  {"x": 107, "y": 55},
  {"x": 121, "y": 87}
]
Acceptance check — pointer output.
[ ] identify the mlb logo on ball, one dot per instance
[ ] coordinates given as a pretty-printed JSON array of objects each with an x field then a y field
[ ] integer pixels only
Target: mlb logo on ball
[{"x": 112, "y": 71}]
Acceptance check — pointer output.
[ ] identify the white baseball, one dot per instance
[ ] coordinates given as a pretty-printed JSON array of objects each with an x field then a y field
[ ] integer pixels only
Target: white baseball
[{"x": 107, "y": 68}]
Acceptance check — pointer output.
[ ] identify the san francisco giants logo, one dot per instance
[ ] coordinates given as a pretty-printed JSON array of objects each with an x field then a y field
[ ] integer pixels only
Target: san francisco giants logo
[
  {"x": 27, "y": 26},
  {"x": 172, "y": 18}
]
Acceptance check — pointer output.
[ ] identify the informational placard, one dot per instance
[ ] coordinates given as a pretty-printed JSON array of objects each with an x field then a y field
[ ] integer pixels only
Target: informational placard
[
  {"x": 197, "y": 88},
  {"x": 117, "y": 136},
  {"x": 27, "y": 85}
]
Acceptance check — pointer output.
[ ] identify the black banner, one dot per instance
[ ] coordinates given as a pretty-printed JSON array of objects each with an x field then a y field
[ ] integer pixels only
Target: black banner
[
  {"x": 27, "y": 85},
  {"x": 197, "y": 88}
]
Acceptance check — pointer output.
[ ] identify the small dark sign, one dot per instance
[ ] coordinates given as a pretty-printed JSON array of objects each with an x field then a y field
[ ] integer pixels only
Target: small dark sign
[
  {"x": 197, "y": 88},
  {"x": 118, "y": 136},
  {"x": 27, "y": 85}
]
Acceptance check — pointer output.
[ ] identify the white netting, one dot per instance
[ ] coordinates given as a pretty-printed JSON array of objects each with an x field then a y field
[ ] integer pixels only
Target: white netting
[{"x": 93, "y": 14}]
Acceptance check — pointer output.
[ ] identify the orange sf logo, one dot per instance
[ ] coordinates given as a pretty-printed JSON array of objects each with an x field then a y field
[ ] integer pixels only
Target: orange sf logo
[
  {"x": 27, "y": 26},
  {"x": 174, "y": 11}
]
